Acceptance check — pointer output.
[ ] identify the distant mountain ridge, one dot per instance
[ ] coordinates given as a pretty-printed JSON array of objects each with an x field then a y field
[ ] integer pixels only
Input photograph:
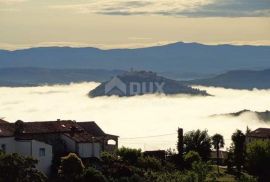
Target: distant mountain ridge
[
  {"x": 239, "y": 79},
  {"x": 15, "y": 77},
  {"x": 174, "y": 58},
  {"x": 263, "y": 116}
]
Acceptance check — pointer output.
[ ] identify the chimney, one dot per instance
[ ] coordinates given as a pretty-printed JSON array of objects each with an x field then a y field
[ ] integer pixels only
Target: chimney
[{"x": 19, "y": 127}]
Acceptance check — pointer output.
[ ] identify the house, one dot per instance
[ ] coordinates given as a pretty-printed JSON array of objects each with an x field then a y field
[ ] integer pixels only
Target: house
[
  {"x": 258, "y": 134},
  {"x": 46, "y": 139}
]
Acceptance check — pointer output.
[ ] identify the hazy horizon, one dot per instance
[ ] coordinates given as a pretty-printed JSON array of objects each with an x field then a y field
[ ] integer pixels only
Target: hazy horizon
[{"x": 104, "y": 47}]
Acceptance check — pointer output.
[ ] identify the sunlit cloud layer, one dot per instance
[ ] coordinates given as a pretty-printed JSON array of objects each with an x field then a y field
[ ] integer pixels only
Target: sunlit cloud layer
[
  {"x": 186, "y": 8},
  {"x": 194, "y": 8},
  {"x": 136, "y": 7},
  {"x": 137, "y": 116}
]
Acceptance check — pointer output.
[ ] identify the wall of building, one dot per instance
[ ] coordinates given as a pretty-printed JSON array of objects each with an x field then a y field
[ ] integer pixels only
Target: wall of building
[
  {"x": 44, "y": 161},
  {"x": 9, "y": 144},
  {"x": 23, "y": 147},
  {"x": 251, "y": 139},
  {"x": 89, "y": 150},
  {"x": 30, "y": 148},
  {"x": 70, "y": 144}
]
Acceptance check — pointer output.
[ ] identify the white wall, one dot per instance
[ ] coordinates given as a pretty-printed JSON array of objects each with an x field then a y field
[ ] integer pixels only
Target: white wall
[
  {"x": 44, "y": 162},
  {"x": 97, "y": 150},
  {"x": 23, "y": 147},
  {"x": 30, "y": 148},
  {"x": 89, "y": 150},
  {"x": 9, "y": 142}
]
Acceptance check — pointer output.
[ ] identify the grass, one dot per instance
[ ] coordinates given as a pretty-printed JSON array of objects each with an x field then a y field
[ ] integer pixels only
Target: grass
[{"x": 223, "y": 176}]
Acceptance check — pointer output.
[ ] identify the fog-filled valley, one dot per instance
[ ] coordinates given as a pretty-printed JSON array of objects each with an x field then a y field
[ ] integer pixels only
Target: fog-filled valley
[{"x": 148, "y": 122}]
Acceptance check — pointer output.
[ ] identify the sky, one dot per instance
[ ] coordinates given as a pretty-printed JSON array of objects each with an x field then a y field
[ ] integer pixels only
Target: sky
[
  {"x": 139, "y": 120},
  {"x": 132, "y": 23}
]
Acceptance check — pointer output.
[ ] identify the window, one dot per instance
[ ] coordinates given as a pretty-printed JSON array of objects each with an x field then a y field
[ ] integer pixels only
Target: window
[
  {"x": 111, "y": 142},
  {"x": 41, "y": 152},
  {"x": 3, "y": 147}
]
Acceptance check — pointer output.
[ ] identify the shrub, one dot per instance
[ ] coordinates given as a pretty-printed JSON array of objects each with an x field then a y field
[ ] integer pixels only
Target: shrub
[
  {"x": 91, "y": 174},
  {"x": 71, "y": 168},
  {"x": 247, "y": 178},
  {"x": 191, "y": 157},
  {"x": 258, "y": 159},
  {"x": 201, "y": 169},
  {"x": 108, "y": 158},
  {"x": 118, "y": 170},
  {"x": 14, "y": 167},
  {"x": 176, "y": 176},
  {"x": 129, "y": 155},
  {"x": 149, "y": 163}
]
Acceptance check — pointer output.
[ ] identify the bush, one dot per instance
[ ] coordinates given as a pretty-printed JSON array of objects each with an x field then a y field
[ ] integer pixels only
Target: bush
[
  {"x": 118, "y": 170},
  {"x": 201, "y": 169},
  {"x": 129, "y": 155},
  {"x": 258, "y": 159},
  {"x": 14, "y": 167},
  {"x": 230, "y": 160},
  {"x": 108, "y": 158},
  {"x": 176, "y": 176},
  {"x": 247, "y": 178},
  {"x": 191, "y": 157},
  {"x": 91, "y": 174},
  {"x": 149, "y": 163},
  {"x": 71, "y": 168}
]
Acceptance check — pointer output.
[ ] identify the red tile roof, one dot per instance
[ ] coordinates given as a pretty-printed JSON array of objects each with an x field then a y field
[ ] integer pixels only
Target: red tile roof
[
  {"x": 82, "y": 137},
  {"x": 260, "y": 133},
  {"x": 78, "y": 131},
  {"x": 6, "y": 129},
  {"x": 92, "y": 127},
  {"x": 42, "y": 127}
]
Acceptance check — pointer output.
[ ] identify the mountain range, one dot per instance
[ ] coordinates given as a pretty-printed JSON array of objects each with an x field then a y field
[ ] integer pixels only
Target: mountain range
[
  {"x": 200, "y": 64},
  {"x": 15, "y": 77},
  {"x": 181, "y": 60},
  {"x": 238, "y": 79}
]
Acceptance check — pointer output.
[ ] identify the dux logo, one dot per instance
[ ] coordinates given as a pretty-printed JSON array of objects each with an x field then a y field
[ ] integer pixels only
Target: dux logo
[
  {"x": 133, "y": 88},
  {"x": 116, "y": 83}
]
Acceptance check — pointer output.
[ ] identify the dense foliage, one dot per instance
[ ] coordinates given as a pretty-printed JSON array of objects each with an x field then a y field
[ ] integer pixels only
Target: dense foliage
[
  {"x": 190, "y": 158},
  {"x": 258, "y": 159},
  {"x": 16, "y": 168},
  {"x": 71, "y": 168},
  {"x": 132, "y": 165},
  {"x": 238, "y": 139},
  {"x": 198, "y": 141}
]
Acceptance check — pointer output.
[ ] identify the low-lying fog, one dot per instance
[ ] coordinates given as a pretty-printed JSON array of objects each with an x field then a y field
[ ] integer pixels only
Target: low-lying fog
[{"x": 135, "y": 117}]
